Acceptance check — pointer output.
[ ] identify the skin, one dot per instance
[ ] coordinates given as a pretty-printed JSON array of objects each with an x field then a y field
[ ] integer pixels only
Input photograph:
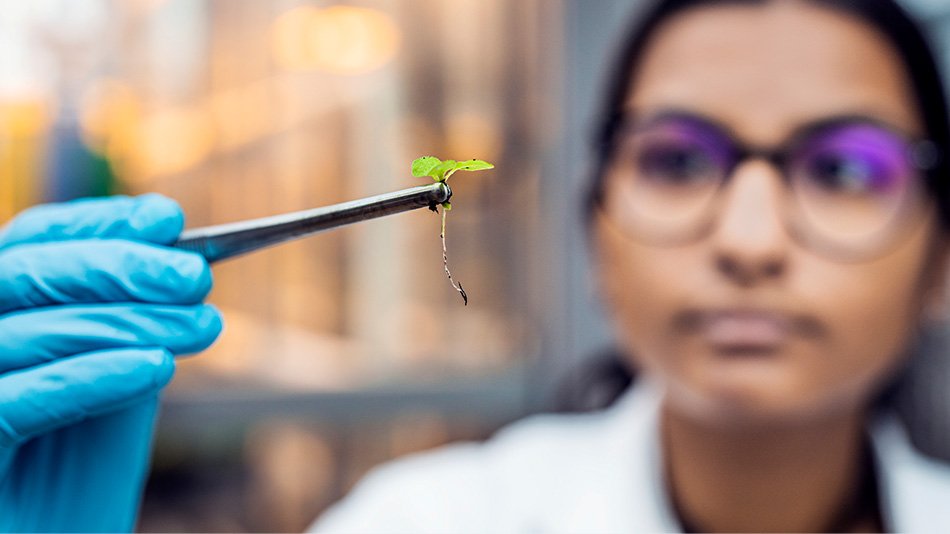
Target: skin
[{"x": 768, "y": 441}]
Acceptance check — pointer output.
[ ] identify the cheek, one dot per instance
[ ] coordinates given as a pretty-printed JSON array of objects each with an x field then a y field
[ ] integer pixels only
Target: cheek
[
  {"x": 872, "y": 311},
  {"x": 642, "y": 287}
]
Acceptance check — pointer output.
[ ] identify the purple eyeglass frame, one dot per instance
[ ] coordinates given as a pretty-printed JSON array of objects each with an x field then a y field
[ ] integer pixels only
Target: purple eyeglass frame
[{"x": 922, "y": 154}]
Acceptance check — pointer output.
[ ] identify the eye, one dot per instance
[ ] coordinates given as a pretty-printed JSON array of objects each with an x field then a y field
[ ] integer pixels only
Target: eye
[
  {"x": 841, "y": 172},
  {"x": 674, "y": 163}
]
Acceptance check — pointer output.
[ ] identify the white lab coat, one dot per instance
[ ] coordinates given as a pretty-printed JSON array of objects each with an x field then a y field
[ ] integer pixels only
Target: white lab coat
[{"x": 589, "y": 473}]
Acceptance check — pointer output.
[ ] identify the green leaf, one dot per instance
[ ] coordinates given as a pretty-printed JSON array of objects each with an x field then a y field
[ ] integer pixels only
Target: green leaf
[
  {"x": 423, "y": 166},
  {"x": 473, "y": 165},
  {"x": 440, "y": 170}
]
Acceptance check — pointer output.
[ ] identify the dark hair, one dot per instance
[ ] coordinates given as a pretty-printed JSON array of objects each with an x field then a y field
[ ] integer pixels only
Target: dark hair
[{"x": 607, "y": 376}]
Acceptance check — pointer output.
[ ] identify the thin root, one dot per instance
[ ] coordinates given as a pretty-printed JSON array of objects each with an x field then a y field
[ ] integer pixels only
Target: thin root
[{"x": 445, "y": 263}]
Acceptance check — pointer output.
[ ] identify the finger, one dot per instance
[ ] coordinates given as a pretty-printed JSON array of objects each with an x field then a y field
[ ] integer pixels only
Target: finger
[
  {"x": 41, "y": 399},
  {"x": 32, "y": 338},
  {"x": 150, "y": 217},
  {"x": 108, "y": 270}
]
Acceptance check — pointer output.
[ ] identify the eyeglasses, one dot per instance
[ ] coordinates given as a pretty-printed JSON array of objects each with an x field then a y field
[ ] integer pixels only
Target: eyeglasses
[{"x": 854, "y": 184}]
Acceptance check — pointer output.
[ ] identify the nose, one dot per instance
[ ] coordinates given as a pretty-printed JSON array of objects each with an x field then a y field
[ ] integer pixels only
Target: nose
[{"x": 749, "y": 242}]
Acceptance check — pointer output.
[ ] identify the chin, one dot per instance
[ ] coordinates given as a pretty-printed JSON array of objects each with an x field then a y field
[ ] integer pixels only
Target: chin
[{"x": 753, "y": 394}]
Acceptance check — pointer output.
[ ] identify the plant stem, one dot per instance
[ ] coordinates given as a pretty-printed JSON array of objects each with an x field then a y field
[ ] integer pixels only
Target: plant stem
[{"x": 445, "y": 263}]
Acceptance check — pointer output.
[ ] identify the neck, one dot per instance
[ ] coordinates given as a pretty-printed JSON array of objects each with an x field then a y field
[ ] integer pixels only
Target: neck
[{"x": 768, "y": 477}]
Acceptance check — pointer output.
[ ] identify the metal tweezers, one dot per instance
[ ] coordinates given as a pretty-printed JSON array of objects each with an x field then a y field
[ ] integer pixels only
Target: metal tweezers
[{"x": 225, "y": 241}]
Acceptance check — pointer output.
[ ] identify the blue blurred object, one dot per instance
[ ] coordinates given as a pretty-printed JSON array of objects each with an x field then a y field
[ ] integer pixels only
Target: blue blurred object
[
  {"x": 73, "y": 170},
  {"x": 93, "y": 308}
]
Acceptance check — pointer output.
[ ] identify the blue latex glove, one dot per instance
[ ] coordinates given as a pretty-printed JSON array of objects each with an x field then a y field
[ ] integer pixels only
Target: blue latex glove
[{"x": 92, "y": 310}]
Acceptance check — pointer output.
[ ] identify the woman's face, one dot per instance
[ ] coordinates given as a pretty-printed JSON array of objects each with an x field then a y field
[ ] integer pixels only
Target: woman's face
[{"x": 746, "y": 323}]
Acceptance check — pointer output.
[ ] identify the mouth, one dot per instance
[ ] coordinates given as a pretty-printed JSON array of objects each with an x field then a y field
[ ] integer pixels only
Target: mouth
[{"x": 746, "y": 330}]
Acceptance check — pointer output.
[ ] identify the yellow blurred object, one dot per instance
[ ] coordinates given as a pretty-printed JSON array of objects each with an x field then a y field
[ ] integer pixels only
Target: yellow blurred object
[
  {"x": 23, "y": 126},
  {"x": 338, "y": 39},
  {"x": 110, "y": 112},
  {"x": 142, "y": 145},
  {"x": 172, "y": 140}
]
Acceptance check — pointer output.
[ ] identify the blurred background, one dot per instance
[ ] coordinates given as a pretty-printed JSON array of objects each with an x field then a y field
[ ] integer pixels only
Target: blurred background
[{"x": 350, "y": 348}]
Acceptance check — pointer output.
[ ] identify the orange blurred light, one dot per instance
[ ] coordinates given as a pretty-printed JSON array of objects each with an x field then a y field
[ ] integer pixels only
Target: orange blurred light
[
  {"x": 338, "y": 39},
  {"x": 24, "y": 122},
  {"x": 22, "y": 118},
  {"x": 172, "y": 141}
]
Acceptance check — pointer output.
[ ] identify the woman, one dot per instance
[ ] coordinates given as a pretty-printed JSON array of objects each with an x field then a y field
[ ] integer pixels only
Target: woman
[{"x": 769, "y": 223}]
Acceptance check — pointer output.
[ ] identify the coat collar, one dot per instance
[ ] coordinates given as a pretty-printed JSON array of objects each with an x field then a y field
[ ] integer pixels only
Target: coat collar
[{"x": 914, "y": 490}]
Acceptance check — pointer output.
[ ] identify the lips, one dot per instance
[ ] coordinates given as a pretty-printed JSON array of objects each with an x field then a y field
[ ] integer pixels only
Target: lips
[{"x": 742, "y": 330}]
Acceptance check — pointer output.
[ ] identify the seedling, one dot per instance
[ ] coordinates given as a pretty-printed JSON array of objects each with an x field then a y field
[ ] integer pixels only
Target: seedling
[{"x": 441, "y": 171}]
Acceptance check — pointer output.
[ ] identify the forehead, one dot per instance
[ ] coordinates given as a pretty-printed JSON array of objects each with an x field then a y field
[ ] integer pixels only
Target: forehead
[{"x": 767, "y": 69}]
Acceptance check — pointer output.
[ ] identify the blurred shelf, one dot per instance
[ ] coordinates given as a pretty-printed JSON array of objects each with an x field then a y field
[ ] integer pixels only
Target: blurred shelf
[{"x": 493, "y": 399}]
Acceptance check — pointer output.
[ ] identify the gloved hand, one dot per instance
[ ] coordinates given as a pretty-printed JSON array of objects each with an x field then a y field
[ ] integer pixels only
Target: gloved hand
[{"x": 92, "y": 310}]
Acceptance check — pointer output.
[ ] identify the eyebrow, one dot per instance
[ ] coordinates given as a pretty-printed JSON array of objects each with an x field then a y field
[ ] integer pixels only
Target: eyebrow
[{"x": 639, "y": 119}]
